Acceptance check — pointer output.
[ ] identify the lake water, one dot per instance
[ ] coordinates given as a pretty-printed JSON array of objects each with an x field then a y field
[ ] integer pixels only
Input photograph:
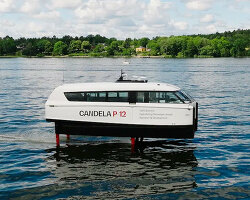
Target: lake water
[{"x": 214, "y": 165}]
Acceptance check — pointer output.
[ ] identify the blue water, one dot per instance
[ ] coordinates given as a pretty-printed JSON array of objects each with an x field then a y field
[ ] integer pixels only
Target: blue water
[{"x": 214, "y": 165}]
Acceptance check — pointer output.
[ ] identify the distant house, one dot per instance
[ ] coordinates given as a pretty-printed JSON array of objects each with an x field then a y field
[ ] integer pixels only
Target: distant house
[
  {"x": 140, "y": 49},
  {"x": 20, "y": 47}
]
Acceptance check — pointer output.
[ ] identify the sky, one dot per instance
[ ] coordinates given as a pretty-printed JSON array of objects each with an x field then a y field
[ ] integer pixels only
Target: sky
[{"x": 121, "y": 18}]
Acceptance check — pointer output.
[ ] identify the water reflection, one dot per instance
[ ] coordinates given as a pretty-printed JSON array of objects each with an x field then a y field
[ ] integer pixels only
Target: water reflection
[{"x": 102, "y": 168}]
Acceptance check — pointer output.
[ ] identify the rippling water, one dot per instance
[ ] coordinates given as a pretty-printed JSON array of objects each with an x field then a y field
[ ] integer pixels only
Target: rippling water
[{"x": 214, "y": 165}]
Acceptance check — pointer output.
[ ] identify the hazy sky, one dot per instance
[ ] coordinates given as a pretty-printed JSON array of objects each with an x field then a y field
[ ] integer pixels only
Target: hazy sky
[{"x": 121, "y": 18}]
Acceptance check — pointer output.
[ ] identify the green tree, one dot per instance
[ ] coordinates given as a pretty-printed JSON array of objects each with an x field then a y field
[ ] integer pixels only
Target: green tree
[
  {"x": 99, "y": 48},
  {"x": 60, "y": 48},
  {"x": 1, "y": 46},
  {"x": 170, "y": 46},
  {"x": 85, "y": 46},
  {"x": 99, "y": 39},
  {"x": 200, "y": 42},
  {"x": 113, "y": 48},
  {"x": 134, "y": 43},
  {"x": 8, "y": 45},
  {"x": 110, "y": 51},
  {"x": 29, "y": 50},
  {"x": 126, "y": 43},
  {"x": 239, "y": 47},
  {"x": 48, "y": 48},
  {"x": 191, "y": 48},
  {"x": 111, "y": 40},
  {"x": 224, "y": 47},
  {"x": 41, "y": 45},
  {"x": 154, "y": 48},
  {"x": 206, "y": 50},
  {"x": 143, "y": 42},
  {"x": 173, "y": 46},
  {"x": 75, "y": 46},
  {"x": 67, "y": 39},
  {"x": 128, "y": 51},
  {"x": 115, "y": 45},
  {"x": 184, "y": 41},
  {"x": 215, "y": 45}
]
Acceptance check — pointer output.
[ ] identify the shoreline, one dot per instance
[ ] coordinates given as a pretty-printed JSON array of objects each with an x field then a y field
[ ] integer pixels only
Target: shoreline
[
  {"x": 127, "y": 57},
  {"x": 67, "y": 56}
]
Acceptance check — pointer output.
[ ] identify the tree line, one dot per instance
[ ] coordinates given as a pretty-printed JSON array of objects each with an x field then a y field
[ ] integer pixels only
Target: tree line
[{"x": 228, "y": 44}]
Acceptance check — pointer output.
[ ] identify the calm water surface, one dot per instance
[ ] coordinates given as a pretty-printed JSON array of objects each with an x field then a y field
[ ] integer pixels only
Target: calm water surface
[{"x": 214, "y": 165}]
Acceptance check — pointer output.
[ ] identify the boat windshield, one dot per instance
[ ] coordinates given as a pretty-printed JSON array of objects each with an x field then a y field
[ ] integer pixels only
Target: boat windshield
[
  {"x": 158, "y": 97},
  {"x": 184, "y": 96}
]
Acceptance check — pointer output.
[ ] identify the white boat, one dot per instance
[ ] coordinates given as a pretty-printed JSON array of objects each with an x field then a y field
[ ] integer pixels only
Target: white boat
[
  {"x": 126, "y": 62},
  {"x": 125, "y": 108}
]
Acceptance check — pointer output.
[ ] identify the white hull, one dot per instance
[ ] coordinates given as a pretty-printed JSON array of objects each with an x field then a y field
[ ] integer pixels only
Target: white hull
[{"x": 118, "y": 113}]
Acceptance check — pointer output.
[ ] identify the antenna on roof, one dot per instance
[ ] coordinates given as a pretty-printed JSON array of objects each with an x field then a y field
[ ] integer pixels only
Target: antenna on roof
[{"x": 123, "y": 76}]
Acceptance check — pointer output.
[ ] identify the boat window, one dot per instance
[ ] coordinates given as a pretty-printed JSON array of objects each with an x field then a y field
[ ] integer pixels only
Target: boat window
[
  {"x": 182, "y": 96},
  {"x": 102, "y": 96},
  {"x": 157, "y": 97},
  {"x": 142, "y": 97},
  {"x": 75, "y": 96},
  {"x": 152, "y": 97},
  {"x": 123, "y": 96},
  {"x": 112, "y": 96},
  {"x": 170, "y": 97},
  {"x": 91, "y": 96},
  {"x": 117, "y": 96},
  {"x": 96, "y": 96},
  {"x": 187, "y": 95},
  {"x": 131, "y": 97}
]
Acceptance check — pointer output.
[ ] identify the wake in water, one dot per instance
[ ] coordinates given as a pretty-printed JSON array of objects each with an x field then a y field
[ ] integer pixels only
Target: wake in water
[
  {"x": 29, "y": 136},
  {"x": 50, "y": 138}
]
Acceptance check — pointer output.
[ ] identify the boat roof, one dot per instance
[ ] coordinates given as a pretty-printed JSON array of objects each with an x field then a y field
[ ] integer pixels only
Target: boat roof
[{"x": 117, "y": 86}]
